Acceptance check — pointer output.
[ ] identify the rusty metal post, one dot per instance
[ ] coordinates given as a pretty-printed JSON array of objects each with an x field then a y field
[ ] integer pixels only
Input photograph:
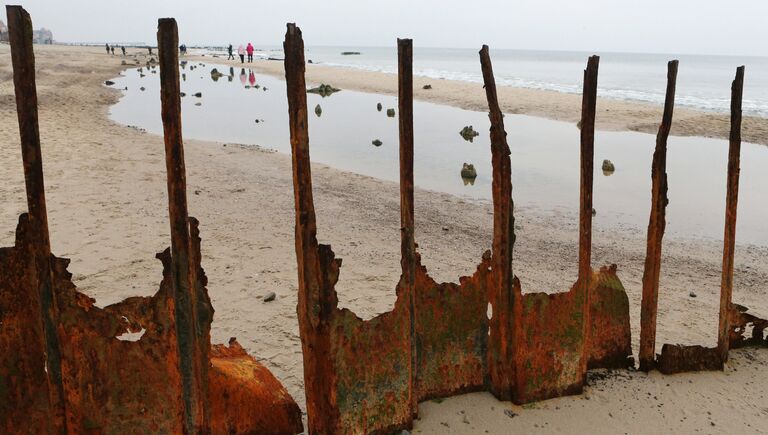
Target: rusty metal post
[
  {"x": 656, "y": 225},
  {"x": 193, "y": 356},
  {"x": 23, "y": 59},
  {"x": 407, "y": 235},
  {"x": 731, "y": 202},
  {"x": 500, "y": 342},
  {"x": 314, "y": 302},
  {"x": 588, "y": 108}
]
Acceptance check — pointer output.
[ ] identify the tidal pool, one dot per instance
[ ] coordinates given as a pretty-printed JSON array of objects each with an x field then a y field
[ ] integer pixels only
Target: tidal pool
[{"x": 245, "y": 107}]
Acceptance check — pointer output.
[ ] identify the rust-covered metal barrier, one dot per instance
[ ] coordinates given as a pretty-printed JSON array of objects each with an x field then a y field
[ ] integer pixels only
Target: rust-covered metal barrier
[
  {"x": 734, "y": 321},
  {"x": 142, "y": 365},
  {"x": 439, "y": 340}
]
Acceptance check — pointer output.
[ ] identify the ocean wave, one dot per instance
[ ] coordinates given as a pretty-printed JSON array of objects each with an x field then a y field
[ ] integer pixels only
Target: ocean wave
[{"x": 704, "y": 103}]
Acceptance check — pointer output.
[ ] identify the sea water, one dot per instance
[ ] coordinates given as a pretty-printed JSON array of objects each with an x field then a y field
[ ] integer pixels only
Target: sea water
[{"x": 544, "y": 153}]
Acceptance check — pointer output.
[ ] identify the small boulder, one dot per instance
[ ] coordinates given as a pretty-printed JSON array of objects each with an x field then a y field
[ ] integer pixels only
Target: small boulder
[
  {"x": 608, "y": 167},
  {"x": 318, "y": 110},
  {"x": 391, "y": 113},
  {"x": 269, "y": 297},
  {"x": 376, "y": 142},
  {"x": 216, "y": 75},
  {"x": 378, "y": 107},
  {"x": 142, "y": 89},
  {"x": 426, "y": 87},
  {"x": 199, "y": 94},
  {"x": 468, "y": 133},
  {"x": 468, "y": 171},
  {"x": 109, "y": 83},
  {"x": 323, "y": 90}
]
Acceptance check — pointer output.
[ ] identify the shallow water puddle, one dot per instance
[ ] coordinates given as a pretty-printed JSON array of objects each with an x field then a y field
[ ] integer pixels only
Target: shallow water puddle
[{"x": 249, "y": 108}]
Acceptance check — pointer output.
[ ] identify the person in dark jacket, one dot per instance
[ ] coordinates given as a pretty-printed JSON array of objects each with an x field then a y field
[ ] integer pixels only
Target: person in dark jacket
[{"x": 231, "y": 55}]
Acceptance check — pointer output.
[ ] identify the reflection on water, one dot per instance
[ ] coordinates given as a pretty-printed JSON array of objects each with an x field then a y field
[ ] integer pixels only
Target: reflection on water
[{"x": 352, "y": 132}]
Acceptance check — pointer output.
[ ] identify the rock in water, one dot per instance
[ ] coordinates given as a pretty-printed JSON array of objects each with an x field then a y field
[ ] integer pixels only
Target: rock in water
[
  {"x": 608, "y": 167},
  {"x": 318, "y": 110},
  {"x": 378, "y": 107},
  {"x": 468, "y": 171},
  {"x": 199, "y": 94},
  {"x": 376, "y": 142},
  {"x": 391, "y": 113},
  {"x": 323, "y": 90},
  {"x": 109, "y": 83},
  {"x": 468, "y": 133},
  {"x": 216, "y": 75}
]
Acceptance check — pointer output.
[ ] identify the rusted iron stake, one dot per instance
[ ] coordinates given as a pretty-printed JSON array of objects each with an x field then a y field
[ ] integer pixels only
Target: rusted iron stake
[
  {"x": 193, "y": 352},
  {"x": 656, "y": 225},
  {"x": 314, "y": 305},
  {"x": 23, "y": 59},
  {"x": 588, "y": 107},
  {"x": 407, "y": 236},
  {"x": 500, "y": 342},
  {"x": 731, "y": 202}
]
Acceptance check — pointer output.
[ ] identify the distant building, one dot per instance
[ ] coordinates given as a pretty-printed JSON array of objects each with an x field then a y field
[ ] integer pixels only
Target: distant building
[
  {"x": 40, "y": 36},
  {"x": 3, "y": 31}
]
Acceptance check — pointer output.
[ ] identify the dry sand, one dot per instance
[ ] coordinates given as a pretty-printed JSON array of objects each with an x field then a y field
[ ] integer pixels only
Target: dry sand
[{"x": 108, "y": 212}]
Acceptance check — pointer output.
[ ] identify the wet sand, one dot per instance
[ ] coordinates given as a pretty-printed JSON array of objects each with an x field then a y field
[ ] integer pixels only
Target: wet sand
[{"x": 108, "y": 213}]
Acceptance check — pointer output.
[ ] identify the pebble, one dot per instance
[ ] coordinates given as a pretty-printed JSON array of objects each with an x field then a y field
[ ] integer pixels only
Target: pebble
[{"x": 269, "y": 297}]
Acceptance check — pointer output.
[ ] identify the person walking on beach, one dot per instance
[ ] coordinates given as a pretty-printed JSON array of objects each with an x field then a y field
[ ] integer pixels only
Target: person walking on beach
[
  {"x": 113, "y": 50},
  {"x": 122, "y": 47},
  {"x": 107, "y": 45},
  {"x": 241, "y": 53},
  {"x": 150, "y": 50},
  {"x": 229, "y": 50},
  {"x": 249, "y": 49}
]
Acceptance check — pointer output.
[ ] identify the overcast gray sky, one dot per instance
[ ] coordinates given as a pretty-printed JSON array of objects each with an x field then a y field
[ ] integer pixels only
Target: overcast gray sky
[{"x": 658, "y": 26}]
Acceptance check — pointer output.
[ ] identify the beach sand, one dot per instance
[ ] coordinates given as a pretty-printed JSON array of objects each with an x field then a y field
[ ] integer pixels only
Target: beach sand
[{"x": 107, "y": 208}]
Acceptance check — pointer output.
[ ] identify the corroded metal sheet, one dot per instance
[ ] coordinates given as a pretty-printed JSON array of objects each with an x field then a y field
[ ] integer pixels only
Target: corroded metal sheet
[
  {"x": 656, "y": 225},
  {"x": 138, "y": 366},
  {"x": 24, "y": 394},
  {"x": 733, "y": 319},
  {"x": 451, "y": 333},
  {"x": 550, "y": 344},
  {"x": 245, "y": 398},
  {"x": 609, "y": 343},
  {"x": 445, "y": 339},
  {"x": 120, "y": 364}
]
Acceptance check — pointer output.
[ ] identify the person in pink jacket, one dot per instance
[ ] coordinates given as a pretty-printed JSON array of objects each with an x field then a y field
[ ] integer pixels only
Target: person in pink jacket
[
  {"x": 241, "y": 53},
  {"x": 249, "y": 49}
]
